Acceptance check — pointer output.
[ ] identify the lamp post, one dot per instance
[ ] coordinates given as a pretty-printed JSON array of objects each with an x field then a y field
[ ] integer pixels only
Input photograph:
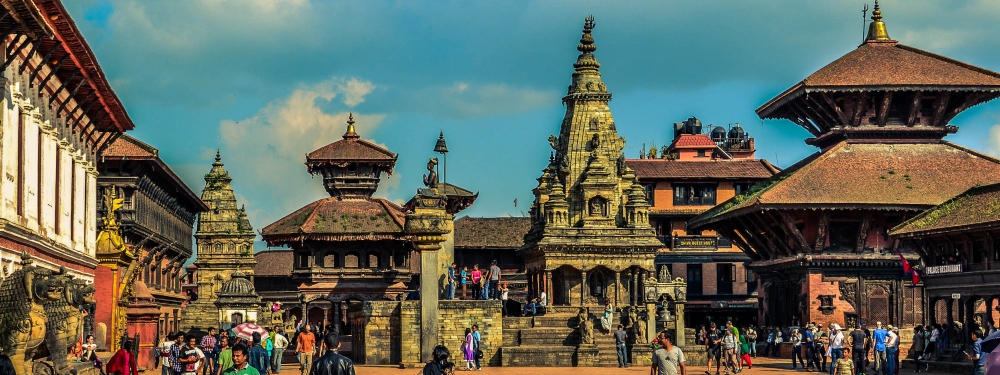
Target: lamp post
[{"x": 442, "y": 148}]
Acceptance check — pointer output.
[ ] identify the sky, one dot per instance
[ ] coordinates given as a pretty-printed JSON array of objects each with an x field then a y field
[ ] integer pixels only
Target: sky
[{"x": 268, "y": 81}]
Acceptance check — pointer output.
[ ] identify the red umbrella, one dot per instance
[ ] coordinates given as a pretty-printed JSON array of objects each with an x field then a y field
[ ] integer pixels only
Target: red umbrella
[{"x": 246, "y": 330}]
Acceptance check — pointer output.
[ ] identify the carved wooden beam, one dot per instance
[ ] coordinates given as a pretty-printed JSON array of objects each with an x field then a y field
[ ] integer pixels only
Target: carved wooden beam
[
  {"x": 34, "y": 48},
  {"x": 822, "y": 230},
  {"x": 861, "y": 109},
  {"x": 844, "y": 120},
  {"x": 939, "y": 106},
  {"x": 883, "y": 108},
  {"x": 914, "y": 109}
]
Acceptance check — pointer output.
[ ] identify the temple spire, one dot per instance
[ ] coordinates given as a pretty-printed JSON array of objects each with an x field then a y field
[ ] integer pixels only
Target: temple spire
[
  {"x": 876, "y": 30},
  {"x": 350, "y": 127}
]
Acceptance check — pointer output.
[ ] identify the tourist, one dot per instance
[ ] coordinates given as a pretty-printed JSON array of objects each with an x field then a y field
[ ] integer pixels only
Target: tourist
[
  {"x": 858, "y": 343},
  {"x": 879, "y": 335},
  {"x": 892, "y": 350},
  {"x": 305, "y": 344},
  {"x": 606, "y": 318},
  {"x": 494, "y": 280},
  {"x": 796, "y": 340},
  {"x": 977, "y": 356},
  {"x": 175, "y": 354},
  {"x": 809, "y": 342},
  {"x": 124, "y": 361},
  {"x": 730, "y": 346},
  {"x": 208, "y": 347},
  {"x": 191, "y": 357},
  {"x": 468, "y": 350},
  {"x": 477, "y": 279},
  {"x": 439, "y": 362},
  {"x": 836, "y": 347},
  {"x": 745, "y": 352},
  {"x": 713, "y": 348},
  {"x": 751, "y": 335},
  {"x": 463, "y": 278},
  {"x": 504, "y": 292},
  {"x": 6, "y": 366},
  {"x": 241, "y": 365},
  {"x": 332, "y": 363},
  {"x": 225, "y": 360},
  {"x": 842, "y": 365},
  {"x": 164, "y": 353},
  {"x": 258, "y": 357},
  {"x": 668, "y": 358},
  {"x": 450, "y": 288},
  {"x": 477, "y": 338},
  {"x": 280, "y": 343},
  {"x": 621, "y": 339}
]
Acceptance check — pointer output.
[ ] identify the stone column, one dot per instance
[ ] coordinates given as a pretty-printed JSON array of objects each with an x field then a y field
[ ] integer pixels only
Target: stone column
[
  {"x": 428, "y": 225},
  {"x": 547, "y": 284},
  {"x": 584, "y": 290}
]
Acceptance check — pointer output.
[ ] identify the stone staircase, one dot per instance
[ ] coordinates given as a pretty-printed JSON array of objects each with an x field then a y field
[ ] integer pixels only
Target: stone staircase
[{"x": 553, "y": 340}]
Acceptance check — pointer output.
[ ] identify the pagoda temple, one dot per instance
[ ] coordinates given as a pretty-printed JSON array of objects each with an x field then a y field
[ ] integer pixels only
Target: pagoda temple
[
  {"x": 590, "y": 239},
  {"x": 816, "y": 232}
]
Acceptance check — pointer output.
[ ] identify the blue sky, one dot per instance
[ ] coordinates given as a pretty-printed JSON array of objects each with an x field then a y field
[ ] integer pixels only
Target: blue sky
[{"x": 268, "y": 81}]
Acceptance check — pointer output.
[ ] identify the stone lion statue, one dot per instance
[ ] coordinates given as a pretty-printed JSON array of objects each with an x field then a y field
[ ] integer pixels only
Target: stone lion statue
[{"x": 23, "y": 315}]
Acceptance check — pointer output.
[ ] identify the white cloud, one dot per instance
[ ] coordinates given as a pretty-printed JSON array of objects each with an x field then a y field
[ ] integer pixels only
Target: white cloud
[{"x": 264, "y": 153}]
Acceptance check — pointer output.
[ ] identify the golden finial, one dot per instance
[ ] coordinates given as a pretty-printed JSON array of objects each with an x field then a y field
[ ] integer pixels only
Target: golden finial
[
  {"x": 876, "y": 30},
  {"x": 350, "y": 127}
]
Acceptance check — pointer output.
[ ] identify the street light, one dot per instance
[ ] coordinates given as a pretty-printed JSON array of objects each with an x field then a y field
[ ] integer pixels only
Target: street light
[{"x": 442, "y": 148}]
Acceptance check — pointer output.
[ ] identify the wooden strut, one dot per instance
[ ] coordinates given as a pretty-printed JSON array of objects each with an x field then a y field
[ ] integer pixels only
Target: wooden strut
[{"x": 34, "y": 48}]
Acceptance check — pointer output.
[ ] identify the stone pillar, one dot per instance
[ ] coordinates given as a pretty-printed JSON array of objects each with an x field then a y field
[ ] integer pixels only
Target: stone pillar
[
  {"x": 428, "y": 225},
  {"x": 584, "y": 288},
  {"x": 547, "y": 284},
  {"x": 679, "y": 324}
]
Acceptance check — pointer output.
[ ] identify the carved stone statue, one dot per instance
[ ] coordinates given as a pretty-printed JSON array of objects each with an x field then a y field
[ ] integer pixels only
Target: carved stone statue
[
  {"x": 586, "y": 327},
  {"x": 23, "y": 315},
  {"x": 640, "y": 329},
  {"x": 431, "y": 178}
]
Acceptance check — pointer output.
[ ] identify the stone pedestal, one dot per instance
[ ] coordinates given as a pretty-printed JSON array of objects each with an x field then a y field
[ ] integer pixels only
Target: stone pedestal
[{"x": 429, "y": 224}]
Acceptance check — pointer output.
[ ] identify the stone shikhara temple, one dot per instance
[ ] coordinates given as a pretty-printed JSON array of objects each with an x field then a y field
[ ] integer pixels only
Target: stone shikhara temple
[{"x": 817, "y": 232}]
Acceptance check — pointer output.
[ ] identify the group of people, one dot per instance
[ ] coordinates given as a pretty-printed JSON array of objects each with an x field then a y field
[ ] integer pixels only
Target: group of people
[{"x": 485, "y": 283}]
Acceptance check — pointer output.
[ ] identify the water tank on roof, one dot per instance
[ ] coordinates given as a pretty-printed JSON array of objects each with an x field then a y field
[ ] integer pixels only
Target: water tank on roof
[
  {"x": 718, "y": 134},
  {"x": 737, "y": 132}
]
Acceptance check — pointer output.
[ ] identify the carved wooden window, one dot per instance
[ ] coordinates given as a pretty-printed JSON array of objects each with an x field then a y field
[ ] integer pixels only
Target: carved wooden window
[{"x": 351, "y": 260}]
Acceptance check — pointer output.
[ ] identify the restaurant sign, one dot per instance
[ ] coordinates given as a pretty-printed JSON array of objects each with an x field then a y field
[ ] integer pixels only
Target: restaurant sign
[{"x": 938, "y": 270}]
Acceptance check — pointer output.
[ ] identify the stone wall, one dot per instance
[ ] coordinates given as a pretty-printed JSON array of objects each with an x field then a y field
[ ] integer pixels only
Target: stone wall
[{"x": 388, "y": 332}]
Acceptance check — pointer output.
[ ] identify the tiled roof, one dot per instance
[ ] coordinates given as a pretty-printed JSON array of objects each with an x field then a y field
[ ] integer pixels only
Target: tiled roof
[
  {"x": 889, "y": 66},
  {"x": 491, "y": 232},
  {"x": 127, "y": 146},
  {"x": 331, "y": 219},
  {"x": 848, "y": 175},
  {"x": 728, "y": 169},
  {"x": 979, "y": 206},
  {"x": 274, "y": 263},
  {"x": 693, "y": 141},
  {"x": 351, "y": 149}
]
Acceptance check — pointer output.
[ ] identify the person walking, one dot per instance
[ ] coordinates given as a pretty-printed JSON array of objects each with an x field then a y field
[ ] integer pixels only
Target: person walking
[
  {"x": 879, "y": 335},
  {"x": 977, "y": 356},
  {"x": 796, "y": 340},
  {"x": 730, "y": 345},
  {"x": 477, "y": 279},
  {"x": 450, "y": 288},
  {"x": 836, "y": 348},
  {"x": 332, "y": 363},
  {"x": 668, "y": 359},
  {"x": 494, "y": 280},
  {"x": 858, "y": 343},
  {"x": 843, "y": 365},
  {"x": 713, "y": 348},
  {"x": 477, "y": 338},
  {"x": 241, "y": 363},
  {"x": 621, "y": 338},
  {"x": 278, "y": 353},
  {"x": 892, "y": 350},
  {"x": 225, "y": 361},
  {"x": 463, "y": 277},
  {"x": 305, "y": 345},
  {"x": 468, "y": 350}
]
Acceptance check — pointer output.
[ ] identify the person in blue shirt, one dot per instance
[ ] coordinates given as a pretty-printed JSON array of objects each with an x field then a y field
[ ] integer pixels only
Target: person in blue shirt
[
  {"x": 878, "y": 341},
  {"x": 978, "y": 357}
]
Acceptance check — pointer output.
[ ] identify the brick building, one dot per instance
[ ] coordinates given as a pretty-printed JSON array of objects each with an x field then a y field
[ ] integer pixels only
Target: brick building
[
  {"x": 157, "y": 216},
  {"x": 695, "y": 172},
  {"x": 817, "y": 232}
]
